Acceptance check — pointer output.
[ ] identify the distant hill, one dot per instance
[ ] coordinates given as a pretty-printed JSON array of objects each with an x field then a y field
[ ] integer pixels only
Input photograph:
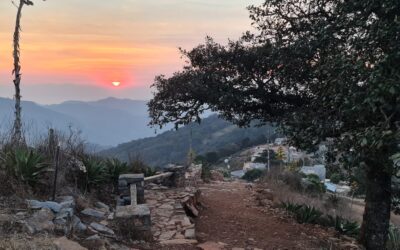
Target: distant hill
[
  {"x": 36, "y": 118},
  {"x": 106, "y": 122},
  {"x": 212, "y": 135}
]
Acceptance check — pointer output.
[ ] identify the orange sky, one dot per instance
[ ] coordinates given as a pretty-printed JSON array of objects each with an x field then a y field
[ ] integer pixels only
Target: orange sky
[{"x": 74, "y": 49}]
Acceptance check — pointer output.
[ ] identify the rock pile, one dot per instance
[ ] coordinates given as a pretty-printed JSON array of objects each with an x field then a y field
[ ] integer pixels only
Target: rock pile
[{"x": 61, "y": 217}]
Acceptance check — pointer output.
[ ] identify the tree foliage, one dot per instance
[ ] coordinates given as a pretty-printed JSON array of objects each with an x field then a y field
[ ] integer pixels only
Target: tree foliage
[{"x": 321, "y": 69}]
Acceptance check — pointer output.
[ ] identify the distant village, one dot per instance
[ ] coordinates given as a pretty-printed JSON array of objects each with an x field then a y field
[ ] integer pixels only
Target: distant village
[{"x": 311, "y": 163}]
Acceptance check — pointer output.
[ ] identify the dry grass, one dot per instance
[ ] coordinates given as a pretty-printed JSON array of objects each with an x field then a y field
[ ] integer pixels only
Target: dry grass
[
  {"x": 25, "y": 242},
  {"x": 290, "y": 191}
]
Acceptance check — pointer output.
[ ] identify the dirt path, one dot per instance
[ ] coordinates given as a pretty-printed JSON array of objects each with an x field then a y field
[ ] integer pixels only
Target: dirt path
[{"x": 232, "y": 217}]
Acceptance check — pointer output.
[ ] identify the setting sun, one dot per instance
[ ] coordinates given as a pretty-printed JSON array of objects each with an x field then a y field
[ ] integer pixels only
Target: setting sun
[{"x": 116, "y": 84}]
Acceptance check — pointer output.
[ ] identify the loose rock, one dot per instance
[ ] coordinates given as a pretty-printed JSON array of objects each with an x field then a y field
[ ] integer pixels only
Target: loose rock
[
  {"x": 101, "y": 228},
  {"x": 93, "y": 213},
  {"x": 65, "y": 244}
]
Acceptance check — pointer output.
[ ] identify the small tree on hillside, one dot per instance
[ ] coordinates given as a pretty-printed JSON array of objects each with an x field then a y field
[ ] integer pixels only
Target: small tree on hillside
[{"x": 321, "y": 69}]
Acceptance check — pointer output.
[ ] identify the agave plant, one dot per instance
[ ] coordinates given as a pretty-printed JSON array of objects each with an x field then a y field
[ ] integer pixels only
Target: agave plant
[
  {"x": 26, "y": 165},
  {"x": 308, "y": 214},
  {"x": 343, "y": 226},
  {"x": 115, "y": 168},
  {"x": 95, "y": 172},
  {"x": 291, "y": 207}
]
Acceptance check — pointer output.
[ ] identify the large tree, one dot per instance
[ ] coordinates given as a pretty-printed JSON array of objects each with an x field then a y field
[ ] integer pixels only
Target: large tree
[{"x": 326, "y": 69}]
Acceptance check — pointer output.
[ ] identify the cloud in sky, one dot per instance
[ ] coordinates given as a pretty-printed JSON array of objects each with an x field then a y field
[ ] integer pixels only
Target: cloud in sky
[{"x": 83, "y": 46}]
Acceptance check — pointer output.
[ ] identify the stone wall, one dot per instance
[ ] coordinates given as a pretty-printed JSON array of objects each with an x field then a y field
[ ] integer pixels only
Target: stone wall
[{"x": 170, "y": 203}]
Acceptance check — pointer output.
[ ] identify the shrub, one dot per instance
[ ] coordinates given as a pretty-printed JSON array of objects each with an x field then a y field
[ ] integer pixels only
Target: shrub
[
  {"x": 335, "y": 178},
  {"x": 253, "y": 174},
  {"x": 292, "y": 179},
  {"x": 26, "y": 165},
  {"x": 314, "y": 185}
]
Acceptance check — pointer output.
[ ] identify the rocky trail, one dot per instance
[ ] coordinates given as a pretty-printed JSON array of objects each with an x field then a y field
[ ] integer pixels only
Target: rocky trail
[
  {"x": 230, "y": 215},
  {"x": 233, "y": 219}
]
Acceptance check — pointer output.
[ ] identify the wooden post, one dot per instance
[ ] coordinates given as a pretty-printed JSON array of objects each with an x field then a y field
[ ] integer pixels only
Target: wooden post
[{"x": 56, "y": 172}]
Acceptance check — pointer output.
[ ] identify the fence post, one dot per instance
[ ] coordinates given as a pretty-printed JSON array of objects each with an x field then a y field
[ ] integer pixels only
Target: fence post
[{"x": 56, "y": 172}]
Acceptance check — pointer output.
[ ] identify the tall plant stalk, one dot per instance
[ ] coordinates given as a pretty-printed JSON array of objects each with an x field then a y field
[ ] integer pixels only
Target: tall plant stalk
[
  {"x": 17, "y": 128},
  {"x": 17, "y": 137}
]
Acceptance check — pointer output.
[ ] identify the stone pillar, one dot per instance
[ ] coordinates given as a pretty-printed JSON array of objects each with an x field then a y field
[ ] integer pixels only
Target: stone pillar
[
  {"x": 132, "y": 216},
  {"x": 124, "y": 185}
]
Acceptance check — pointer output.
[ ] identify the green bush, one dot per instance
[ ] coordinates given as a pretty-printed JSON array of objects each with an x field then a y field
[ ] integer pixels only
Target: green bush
[
  {"x": 335, "y": 178},
  {"x": 314, "y": 184},
  {"x": 292, "y": 179},
  {"x": 253, "y": 174},
  {"x": 26, "y": 165}
]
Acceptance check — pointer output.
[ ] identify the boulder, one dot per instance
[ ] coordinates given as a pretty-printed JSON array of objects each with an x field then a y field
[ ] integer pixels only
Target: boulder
[{"x": 65, "y": 244}]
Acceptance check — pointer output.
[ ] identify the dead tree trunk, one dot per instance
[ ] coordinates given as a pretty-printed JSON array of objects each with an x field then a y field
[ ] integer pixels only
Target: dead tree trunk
[{"x": 17, "y": 128}]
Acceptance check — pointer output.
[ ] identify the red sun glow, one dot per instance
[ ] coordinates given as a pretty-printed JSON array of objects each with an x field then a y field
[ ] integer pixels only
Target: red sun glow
[{"x": 116, "y": 84}]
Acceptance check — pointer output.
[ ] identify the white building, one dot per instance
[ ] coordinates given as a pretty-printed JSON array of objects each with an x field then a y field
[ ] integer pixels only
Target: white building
[
  {"x": 253, "y": 165},
  {"x": 319, "y": 170}
]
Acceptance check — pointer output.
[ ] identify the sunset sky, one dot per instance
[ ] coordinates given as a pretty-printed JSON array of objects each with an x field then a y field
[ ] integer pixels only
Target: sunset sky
[{"x": 75, "y": 49}]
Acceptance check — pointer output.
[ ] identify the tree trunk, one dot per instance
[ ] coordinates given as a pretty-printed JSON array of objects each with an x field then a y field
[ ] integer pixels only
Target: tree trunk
[
  {"x": 374, "y": 230},
  {"x": 17, "y": 128}
]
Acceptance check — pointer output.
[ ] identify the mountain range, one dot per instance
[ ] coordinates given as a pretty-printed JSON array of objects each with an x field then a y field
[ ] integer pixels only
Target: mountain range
[
  {"x": 213, "y": 134},
  {"x": 118, "y": 128},
  {"x": 105, "y": 122}
]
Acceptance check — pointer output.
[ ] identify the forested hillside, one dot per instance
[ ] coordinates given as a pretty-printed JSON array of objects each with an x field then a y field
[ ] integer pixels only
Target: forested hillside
[{"x": 212, "y": 135}]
